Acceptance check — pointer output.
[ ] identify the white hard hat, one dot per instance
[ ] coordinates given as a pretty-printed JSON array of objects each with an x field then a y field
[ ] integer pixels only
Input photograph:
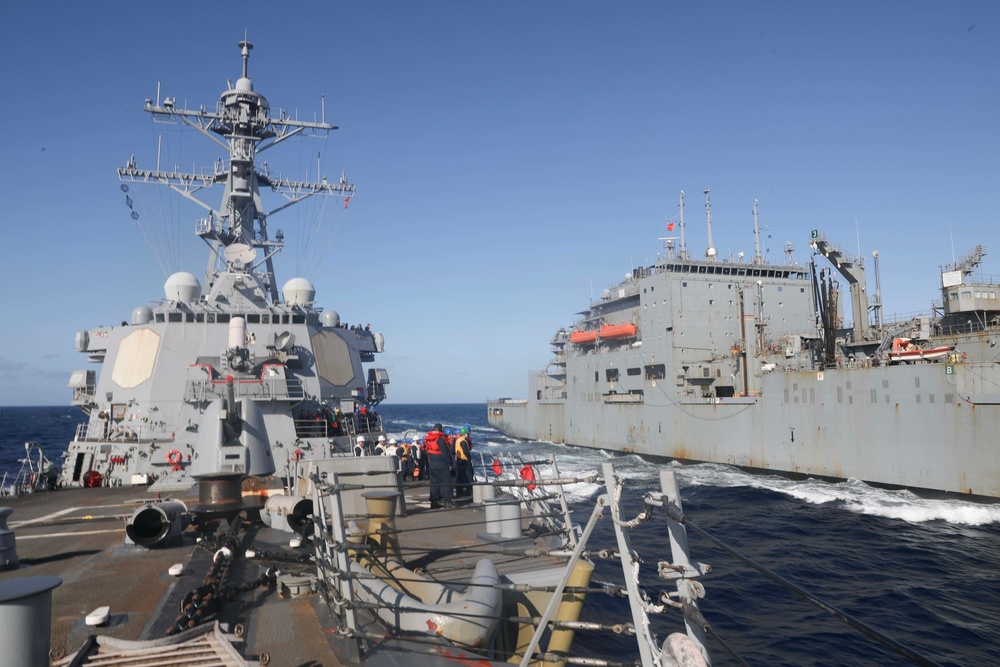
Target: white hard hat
[
  {"x": 381, "y": 438},
  {"x": 361, "y": 438},
  {"x": 392, "y": 441}
]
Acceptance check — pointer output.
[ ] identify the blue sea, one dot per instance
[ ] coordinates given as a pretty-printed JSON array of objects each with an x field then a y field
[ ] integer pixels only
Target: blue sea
[{"x": 925, "y": 572}]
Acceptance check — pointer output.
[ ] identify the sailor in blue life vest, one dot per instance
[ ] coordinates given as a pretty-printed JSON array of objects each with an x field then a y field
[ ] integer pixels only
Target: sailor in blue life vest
[
  {"x": 463, "y": 463},
  {"x": 440, "y": 467}
]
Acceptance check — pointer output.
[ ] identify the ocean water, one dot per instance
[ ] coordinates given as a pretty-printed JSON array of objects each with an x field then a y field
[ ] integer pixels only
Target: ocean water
[{"x": 925, "y": 572}]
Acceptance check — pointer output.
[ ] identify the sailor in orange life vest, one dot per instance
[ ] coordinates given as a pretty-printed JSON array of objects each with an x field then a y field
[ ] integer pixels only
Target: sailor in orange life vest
[{"x": 440, "y": 467}]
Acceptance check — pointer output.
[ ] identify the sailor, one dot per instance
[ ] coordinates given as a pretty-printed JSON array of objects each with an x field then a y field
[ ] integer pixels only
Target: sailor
[
  {"x": 440, "y": 467},
  {"x": 463, "y": 463},
  {"x": 417, "y": 451},
  {"x": 405, "y": 460},
  {"x": 335, "y": 422},
  {"x": 380, "y": 446},
  {"x": 391, "y": 448},
  {"x": 359, "y": 446}
]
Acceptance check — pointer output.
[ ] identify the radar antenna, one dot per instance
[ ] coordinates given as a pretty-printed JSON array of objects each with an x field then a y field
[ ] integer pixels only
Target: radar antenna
[
  {"x": 970, "y": 261},
  {"x": 241, "y": 125}
]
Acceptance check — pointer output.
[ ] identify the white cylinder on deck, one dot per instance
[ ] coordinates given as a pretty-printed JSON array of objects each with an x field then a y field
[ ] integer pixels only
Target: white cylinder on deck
[{"x": 237, "y": 332}]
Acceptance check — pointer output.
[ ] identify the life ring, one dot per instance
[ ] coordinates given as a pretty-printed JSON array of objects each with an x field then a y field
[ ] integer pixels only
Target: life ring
[
  {"x": 297, "y": 456},
  {"x": 174, "y": 458}
]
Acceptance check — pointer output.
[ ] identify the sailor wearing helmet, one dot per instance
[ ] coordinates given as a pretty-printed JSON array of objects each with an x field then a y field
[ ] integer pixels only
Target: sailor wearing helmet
[{"x": 359, "y": 447}]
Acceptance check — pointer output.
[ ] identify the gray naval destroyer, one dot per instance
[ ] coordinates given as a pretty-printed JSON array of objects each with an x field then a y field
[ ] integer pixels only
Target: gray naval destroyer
[
  {"x": 748, "y": 363},
  {"x": 232, "y": 340}
]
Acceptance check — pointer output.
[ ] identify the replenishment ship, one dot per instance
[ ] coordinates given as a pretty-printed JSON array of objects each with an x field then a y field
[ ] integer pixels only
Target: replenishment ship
[{"x": 744, "y": 362}]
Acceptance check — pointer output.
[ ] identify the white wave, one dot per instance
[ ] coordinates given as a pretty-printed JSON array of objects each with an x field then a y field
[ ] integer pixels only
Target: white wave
[{"x": 852, "y": 494}]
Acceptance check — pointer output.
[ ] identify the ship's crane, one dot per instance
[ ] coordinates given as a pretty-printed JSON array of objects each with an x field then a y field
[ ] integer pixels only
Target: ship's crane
[{"x": 853, "y": 270}]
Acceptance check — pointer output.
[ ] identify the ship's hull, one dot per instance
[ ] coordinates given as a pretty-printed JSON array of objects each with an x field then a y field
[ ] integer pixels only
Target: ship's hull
[{"x": 929, "y": 426}]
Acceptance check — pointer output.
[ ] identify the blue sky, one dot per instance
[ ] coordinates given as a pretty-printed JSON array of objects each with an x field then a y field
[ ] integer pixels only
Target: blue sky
[{"x": 511, "y": 159}]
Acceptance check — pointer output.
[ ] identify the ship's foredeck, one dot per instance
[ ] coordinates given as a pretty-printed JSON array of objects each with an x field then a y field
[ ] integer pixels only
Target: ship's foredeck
[{"x": 79, "y": 536}]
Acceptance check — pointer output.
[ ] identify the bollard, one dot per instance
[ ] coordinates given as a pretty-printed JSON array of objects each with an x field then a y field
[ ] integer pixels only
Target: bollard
[
  {"x": 510, "y": 519},
  {"x": 503, "y": 517},
  {"x": 489, "y": 492},
  {"x": 26, "y": 621},
  {"x": 8, "y": 547}
]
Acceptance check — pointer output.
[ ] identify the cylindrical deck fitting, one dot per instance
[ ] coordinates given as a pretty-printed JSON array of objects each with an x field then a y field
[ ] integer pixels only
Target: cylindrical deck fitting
[
  {"x": 296, "y": 511},
  {"x": 510, "y": 519},
  {"x": 8, "y": 547},
  {"x": 382, "y": 523},
  {"x": 220, "y": 496},
  {"x": 26, "y": 621},
  {"x": 503, "y": 517},
  {"x": 483, "y": 491},
  {"x": 153, "y": 524}
]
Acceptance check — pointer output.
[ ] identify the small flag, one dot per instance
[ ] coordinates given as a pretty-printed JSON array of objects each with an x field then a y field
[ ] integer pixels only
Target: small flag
[
  {"x": 346, "y": 201},
  {"x": 497, "y": 470},
  {"x": 670, "y": 227}
]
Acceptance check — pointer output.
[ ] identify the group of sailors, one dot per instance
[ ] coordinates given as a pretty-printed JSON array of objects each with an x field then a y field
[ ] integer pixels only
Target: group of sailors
[
  {"x": 334, "y": 422},
  {"x": 442, "y": 458}
]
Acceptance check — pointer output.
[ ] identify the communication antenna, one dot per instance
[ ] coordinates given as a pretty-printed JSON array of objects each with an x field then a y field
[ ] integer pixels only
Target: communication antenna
[
  {"x": 684, "y": 250},
  {"x": 710, "y": 251},
  {"x": 757, "y": 258}
]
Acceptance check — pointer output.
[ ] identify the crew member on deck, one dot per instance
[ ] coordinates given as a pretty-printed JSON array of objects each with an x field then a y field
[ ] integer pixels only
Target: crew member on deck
[
  {"x": 440, "y": 466},
  {"x": 463, "y": 463}
]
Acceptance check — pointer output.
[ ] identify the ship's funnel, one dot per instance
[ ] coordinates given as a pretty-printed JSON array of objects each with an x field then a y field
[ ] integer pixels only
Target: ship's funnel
[{"x": 156, "y": 525}]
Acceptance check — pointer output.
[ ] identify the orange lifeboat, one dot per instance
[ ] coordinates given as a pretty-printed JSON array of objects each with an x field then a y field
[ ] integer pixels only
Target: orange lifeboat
[
  {"x": 618, "y": 331},
  {"x": 583, "y": 337}
]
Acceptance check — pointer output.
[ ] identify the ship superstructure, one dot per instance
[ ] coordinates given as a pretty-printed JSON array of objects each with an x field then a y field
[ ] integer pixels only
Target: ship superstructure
[
  {"x": 751, "y": 363},
  {"x": 235, "y": 334}
]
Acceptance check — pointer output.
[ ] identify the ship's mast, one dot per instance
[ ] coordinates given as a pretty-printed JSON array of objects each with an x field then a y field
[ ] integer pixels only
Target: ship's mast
[
  {"x": 237, "y": 230},
  {"x": 757, "y": 257},
  {"x": 684, "y": 250},
  {"x": 710, "y": 251}
]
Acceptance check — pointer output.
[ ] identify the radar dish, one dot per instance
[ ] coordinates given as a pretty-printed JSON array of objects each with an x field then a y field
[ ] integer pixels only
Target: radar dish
[
  {"x": 284, "y": 341},
  {"x": 240, "y": 254}
]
